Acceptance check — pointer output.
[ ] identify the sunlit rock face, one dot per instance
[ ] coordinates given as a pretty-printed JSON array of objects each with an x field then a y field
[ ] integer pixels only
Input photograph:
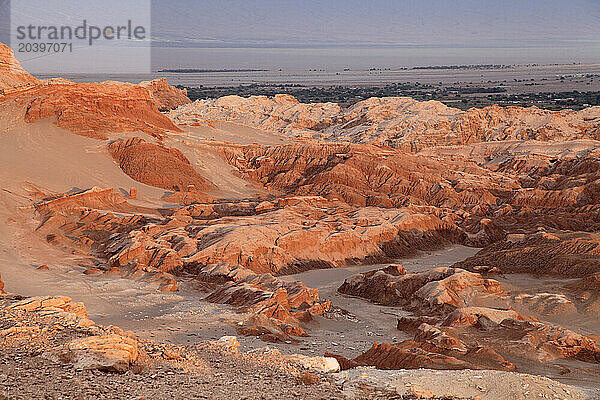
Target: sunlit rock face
[{"x": 399, "y": 122}]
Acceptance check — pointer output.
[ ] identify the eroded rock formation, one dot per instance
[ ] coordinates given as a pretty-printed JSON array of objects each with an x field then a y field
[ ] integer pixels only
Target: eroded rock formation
[
  {"x": 437, "y": 290},
  {"x": 88, "y": 109},
  {"x": 156, "y": 165},
  {"x": 278, "y": 309},
  {"x": 165, "y": 96},
  {"x": 114, "y": 353},
  {"x": 399, "y": 122},
  {"x": 234, "y": 246},
  {"x": 95, "y": 109},
  {"x": 465, "y": 335},
  {"x": 12, "y": 75}
]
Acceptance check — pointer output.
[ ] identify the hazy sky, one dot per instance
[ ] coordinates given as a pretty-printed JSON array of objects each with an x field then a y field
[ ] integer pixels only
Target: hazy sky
[
  {"x": 316, "y": 23},
  {"x": 332, "y": 34}
]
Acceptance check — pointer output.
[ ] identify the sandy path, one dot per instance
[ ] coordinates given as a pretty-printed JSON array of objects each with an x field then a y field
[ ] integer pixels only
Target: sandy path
[
  {"x": 195, "y": 144},
  {"x": 231, "y": 132}
]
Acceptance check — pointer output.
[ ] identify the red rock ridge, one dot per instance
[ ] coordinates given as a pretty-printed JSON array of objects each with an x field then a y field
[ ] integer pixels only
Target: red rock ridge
[
  {"x": 94, "y": 109},
  {"x": 88, "y": 109},
  {"x": 157, "y": 165},
  {"x": 12, "y": 75}
]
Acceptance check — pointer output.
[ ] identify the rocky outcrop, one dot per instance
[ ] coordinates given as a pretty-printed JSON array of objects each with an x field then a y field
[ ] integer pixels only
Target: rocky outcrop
[
  {"x": 165, "y": 96},
  {"x": 366, "y": 175},
  {"x": 12, "y": 75},
  {"x": 61, "y": 306},
  {"x": 471, "y": 316},
  {"x": 95, "y": 109},
  {"x": 278, "y": 239},
  {"x": 486, "y": 199},
  {"x": 399, "y": 122},
  {"x": 1, "y": 285},
  {"x": 232, "y": 248},
  {"x": 364, "y": 382},
  {"x": 547, "y": 304},
  {"x": 277, "y": 309},
  {"x": 301, "y": 237},
  {"x": 89, "y": 109},
  {"x": 114, "y": 353},
  {"x": 541, "y": 342},
  {"x": 157, "y": 165},
  {"x": 587, "y": 290},
  {"x": 566, "y": 255},
  {"x": 58, "y": 329},
  {"x": 477, "y": 336},
  {"x": 95, "y": 197},
  {"x": 438, "y": 290},
  {"x": 431, "y": 348},
  {"x": 146, "y": 260}
]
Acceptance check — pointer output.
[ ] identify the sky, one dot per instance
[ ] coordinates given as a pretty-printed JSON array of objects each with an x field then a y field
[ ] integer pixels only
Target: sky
[
  {"x": 328, "y": 34},
  {"x": 387, "y": 23}
]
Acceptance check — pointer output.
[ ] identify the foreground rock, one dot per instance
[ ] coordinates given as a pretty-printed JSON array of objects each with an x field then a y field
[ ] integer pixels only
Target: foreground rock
[
  {"x": 114, "y": 353},
  {"x": 72, "y": 313},
  {"x": 363, "y": 383},
  {"x": 99, "y": 349},
  {"x": 106, "y": 362}
]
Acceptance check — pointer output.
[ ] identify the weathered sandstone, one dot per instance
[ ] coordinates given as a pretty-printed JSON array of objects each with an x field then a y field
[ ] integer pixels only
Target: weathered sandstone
[
  {"x": 156, "y": 165},
  {"x": 438, "y": 290},
  {"x": 165, "y": 96},
  {"x": 399, "y": 122},
  {"x": 12, "y": 75},
  {"x": 94, "y": 109},
  {"x": 108, "y": 352}
]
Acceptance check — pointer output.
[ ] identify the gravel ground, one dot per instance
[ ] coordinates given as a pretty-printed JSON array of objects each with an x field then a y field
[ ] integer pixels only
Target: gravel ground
[
  {"x": 31, "y": 376},
  {"x": 162, "y": 371}
]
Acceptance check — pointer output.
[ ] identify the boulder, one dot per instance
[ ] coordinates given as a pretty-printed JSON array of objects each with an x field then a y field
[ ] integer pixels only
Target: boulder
[
  {"x": 318, "y": 364},
  {"x": 108, "y": 352}
]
